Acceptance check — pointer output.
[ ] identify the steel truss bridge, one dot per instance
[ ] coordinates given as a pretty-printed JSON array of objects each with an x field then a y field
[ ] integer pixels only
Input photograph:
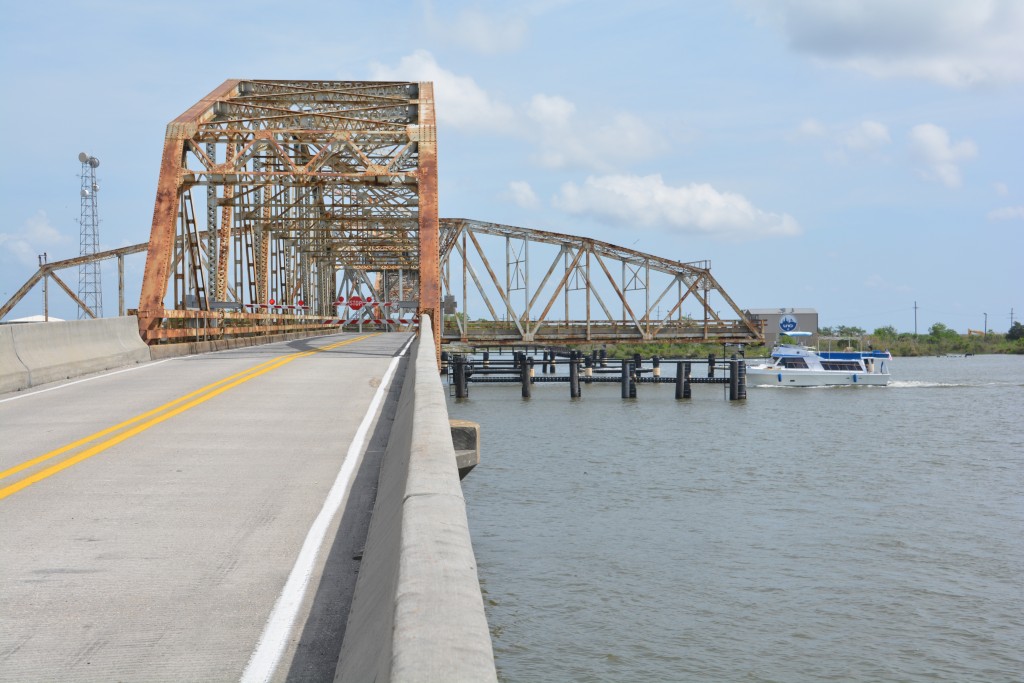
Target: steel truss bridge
[{"x": 280, "y": 203}]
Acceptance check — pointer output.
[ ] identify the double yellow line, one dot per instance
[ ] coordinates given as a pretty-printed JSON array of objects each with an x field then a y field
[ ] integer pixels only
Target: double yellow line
[{"x": 146, "y": 420}]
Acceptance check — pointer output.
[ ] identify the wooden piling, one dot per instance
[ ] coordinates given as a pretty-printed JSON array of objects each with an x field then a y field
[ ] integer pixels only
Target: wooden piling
[
  {"x": 461, "y": 380},
  {"x": 733, "y": 379},
  {"x": 574, "y": 376},
  {"x": 742, "y": 385}
]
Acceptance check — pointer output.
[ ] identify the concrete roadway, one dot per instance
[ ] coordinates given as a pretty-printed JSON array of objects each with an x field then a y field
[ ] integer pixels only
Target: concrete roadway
[{"x": 160, "y": 550}]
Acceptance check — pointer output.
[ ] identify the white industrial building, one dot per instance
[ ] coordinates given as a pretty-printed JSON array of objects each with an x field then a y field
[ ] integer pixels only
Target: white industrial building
[{"x": 778, "y": 321}]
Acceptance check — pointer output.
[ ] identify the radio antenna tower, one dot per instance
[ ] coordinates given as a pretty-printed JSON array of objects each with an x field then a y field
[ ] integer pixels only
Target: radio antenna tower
[{"x": 90, "y": 287}]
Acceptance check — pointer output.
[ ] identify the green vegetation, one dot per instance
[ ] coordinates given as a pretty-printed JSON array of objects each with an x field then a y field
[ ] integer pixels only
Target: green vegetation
[{"x": 940, "y": 341}]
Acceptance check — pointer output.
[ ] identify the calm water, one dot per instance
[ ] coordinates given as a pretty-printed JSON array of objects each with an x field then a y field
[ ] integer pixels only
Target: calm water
[{"x": 833, "y": 534}]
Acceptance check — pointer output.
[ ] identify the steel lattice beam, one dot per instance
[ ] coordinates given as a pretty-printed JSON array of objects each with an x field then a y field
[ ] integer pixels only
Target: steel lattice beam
[
  {"x": 316, "y": 182},
  {"x": 297, "y": 193},
  {"x": 579, "y": 272}
]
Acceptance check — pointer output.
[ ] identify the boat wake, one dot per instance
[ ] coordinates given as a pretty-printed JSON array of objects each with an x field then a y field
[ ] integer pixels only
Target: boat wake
[{"x": 916, "y": 384}]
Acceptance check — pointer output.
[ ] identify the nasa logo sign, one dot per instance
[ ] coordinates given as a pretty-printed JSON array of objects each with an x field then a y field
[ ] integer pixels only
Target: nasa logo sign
[{"x": 787, "y": 323}]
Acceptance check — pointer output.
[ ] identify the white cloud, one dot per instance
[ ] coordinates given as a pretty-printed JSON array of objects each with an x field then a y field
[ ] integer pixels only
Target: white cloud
[
  {"x": 866, "y": 135},
  {"x": 952, "y": 42},
  {"x": 550, "y": 110},
  {"x": 520, "y": 192},
  {"x": 647, "y": 201},
  {"x": 1007, "y": 213},
  {"x": 566, "y": 141},
  {"x": 1002, "y": 189},
  {"x": 939, "y": 158},
  {"x": 549, "y": 121},
  {"x": 483, "y": 33},
  {"x": 35, "y": 236},
  {"x": 459, "y": 101}
]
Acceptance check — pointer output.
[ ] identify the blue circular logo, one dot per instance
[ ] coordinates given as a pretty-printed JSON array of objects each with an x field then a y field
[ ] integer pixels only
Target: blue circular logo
[{"x": 787, "y": 323}]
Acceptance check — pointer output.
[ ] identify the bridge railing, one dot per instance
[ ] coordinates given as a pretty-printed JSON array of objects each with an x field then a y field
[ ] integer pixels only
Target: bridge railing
[
  {"x": 417, "y": 613},
  {"x": 195, "y": 325}
]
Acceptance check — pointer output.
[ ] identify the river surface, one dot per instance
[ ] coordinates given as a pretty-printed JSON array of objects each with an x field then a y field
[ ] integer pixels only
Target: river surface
[{"x": 824, "y": 534}]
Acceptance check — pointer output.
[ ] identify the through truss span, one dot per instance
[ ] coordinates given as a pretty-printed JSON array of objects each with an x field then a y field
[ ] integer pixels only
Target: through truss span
[{"x": 554, "y": 288}]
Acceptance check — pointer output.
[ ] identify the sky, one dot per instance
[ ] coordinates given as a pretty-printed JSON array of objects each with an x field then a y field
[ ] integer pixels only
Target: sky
[{"x": 855, "y": 157}]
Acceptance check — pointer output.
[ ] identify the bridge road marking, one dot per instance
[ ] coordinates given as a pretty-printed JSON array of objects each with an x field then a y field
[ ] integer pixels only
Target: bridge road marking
[
  {"x": 203, "y": 394},
  {"x": 109, "y": 430},
  {"x": 277, "y": 631},
  {"x": 143, "y": 366}
]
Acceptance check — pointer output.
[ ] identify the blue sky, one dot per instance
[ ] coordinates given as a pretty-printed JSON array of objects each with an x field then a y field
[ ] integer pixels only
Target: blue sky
[{"x": 853, "y": 157}]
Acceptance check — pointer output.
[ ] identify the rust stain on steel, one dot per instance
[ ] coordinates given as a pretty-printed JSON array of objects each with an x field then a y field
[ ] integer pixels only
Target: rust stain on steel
[
  {"x": 165, "y": 212},
  {"x": 319, "y": 185},
  {"x": 161, "y": 240},
  {"x": 429, "y": 266},
  {"x": 329, "y": 188}
]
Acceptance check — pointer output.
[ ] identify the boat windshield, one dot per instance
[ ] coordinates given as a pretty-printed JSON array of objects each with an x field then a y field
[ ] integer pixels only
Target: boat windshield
[{"x": 841, "y": 365}]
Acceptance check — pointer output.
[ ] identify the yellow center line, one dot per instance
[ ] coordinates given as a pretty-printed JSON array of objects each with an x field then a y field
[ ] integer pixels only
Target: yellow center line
[
  {"x": 109, "y": 430},
  {"x": 239, "y": 378}
]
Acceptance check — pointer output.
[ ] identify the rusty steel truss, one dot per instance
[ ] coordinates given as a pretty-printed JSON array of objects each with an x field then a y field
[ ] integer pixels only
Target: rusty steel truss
[
  {"x": 555, "y": 288},
  {"x": 278, "y": 198},
  {"x": 48, "y": 271}
]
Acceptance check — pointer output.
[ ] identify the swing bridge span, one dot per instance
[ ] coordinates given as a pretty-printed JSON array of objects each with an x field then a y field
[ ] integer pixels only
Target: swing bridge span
[{"x": 294, "y": 206}]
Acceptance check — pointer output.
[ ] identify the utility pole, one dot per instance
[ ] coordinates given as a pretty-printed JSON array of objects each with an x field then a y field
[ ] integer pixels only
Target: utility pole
[
  {"x": 915, "y": 318},
  {"x": 986, "y": 324}
]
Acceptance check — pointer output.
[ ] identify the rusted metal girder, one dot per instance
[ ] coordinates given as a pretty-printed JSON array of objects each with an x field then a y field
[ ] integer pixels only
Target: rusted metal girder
[
  {"x": 656, "y": 298},
  {"x": 49, "y": 270},
  {"x": 321, "y": 187}
]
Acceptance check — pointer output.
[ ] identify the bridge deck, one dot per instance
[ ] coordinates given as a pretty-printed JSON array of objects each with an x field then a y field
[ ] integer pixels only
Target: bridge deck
[{"x": 160, "y": 551}]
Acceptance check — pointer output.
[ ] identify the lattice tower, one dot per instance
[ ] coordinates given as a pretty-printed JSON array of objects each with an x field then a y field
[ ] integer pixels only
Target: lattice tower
[{"x": 90, "y": 286}]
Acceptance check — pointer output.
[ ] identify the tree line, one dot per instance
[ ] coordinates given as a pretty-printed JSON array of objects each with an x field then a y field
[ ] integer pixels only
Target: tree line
[{"x": 939, "y": 340}]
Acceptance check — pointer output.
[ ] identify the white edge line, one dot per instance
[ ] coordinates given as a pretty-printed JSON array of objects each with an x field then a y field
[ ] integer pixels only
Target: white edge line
[
  {"x": 278, "y": 628},
  {"x": 140, "y": 366}
]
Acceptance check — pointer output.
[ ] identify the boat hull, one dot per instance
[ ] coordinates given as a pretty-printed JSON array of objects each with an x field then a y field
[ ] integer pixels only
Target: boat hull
[{"x": 776, "y": 377}]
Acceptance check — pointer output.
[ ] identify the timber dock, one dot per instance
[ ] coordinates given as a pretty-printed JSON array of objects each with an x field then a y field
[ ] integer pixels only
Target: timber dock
[{"x": 577, "y": 369}]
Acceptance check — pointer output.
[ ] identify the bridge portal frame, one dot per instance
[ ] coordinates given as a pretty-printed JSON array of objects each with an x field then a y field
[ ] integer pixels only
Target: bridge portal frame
[{"x": 302, "y": 179}]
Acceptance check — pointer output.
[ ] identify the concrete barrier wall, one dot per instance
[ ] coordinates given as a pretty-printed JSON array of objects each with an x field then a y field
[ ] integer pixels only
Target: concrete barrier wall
[
  {"x": 61, "y": 350},
  {"x": 13, "y": 373},
  {"x": 417, "y": 613}
]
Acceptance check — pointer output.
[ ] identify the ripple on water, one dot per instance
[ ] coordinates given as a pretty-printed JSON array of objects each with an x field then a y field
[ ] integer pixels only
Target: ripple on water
[{"x": 801, "y": 536}]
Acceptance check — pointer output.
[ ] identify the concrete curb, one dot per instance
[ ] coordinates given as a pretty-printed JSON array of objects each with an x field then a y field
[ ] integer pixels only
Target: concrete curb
[{"x": 417, "y": 613}]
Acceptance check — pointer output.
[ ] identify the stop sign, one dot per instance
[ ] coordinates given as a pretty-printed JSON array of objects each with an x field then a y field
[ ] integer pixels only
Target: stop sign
[{"x": 355, "y": 302}]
